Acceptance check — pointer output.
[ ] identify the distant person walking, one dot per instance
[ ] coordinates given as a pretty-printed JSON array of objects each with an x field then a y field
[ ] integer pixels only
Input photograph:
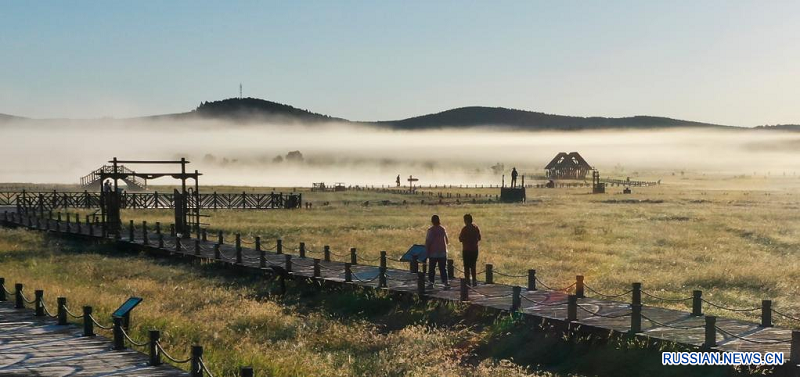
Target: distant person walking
[
  {"x": 436, "y": 249},
  {"x": 107, "y": 186},
  {"x": 513, "y": 177},
  {"x": 469, "y": 237},
  {"x": 398, "y": 180}
]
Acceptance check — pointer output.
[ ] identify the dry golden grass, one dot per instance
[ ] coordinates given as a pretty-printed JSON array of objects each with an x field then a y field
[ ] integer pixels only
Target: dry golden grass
[
  {"x": 735, "y": 238},
  {"x": 234, "y": 317}
]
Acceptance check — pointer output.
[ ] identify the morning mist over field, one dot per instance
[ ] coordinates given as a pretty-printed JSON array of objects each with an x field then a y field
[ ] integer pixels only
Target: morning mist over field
[{"x": 359, "y": 154}]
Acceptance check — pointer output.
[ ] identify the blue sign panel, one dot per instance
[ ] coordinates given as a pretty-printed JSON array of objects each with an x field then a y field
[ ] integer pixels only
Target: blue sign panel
[
  {"x": 418, "y": 250},
  {"x": 127, "y": 307}
]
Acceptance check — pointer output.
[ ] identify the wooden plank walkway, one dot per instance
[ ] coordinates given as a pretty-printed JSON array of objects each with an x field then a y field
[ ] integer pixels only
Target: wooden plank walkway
[
  {"x": 36, "y": 346},
  {"x": 550, "y": 305}
]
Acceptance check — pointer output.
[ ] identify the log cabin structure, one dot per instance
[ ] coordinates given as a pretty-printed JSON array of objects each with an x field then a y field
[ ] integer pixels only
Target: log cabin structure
[{"x": 567, "y": 166}]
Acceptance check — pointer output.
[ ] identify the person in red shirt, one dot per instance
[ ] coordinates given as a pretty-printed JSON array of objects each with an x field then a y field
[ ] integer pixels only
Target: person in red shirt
[{"x": 469, "y": 237}]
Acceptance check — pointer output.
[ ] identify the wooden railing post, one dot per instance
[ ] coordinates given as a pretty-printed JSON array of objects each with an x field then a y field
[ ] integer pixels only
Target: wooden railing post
[
  {"x": 288, "y": 262},
  {"x": 279, "y": 247},
  {"x": 327, "y": 252},
  {"x": 119, "y": 339},
  {"x": 238, "y": 248},
  {"x": 131, "y": 232},
  {"x": 19, "y": 302},
  {"x": 697, "y": 303},
  {"x": 217, "y": 254},
  {"x": 579, "y": 286},
  {"x": 636, "y": 308},
  {"x": 88, "y": 325},
  {"x": 451, "y": 269},
  {"x": 711, "y": 332},
  {"x": 531, "y": 280},
  {"x": 464, "y": 290},
  {"x": 302, "y": 249},
  {"x": 317, "y": 271},
  {"x": 353, "y": 258},
  {"x": 220, "y": 239},
  {"x": 414, "y": 264},
  {"x": 197, "y": 354},
  {"x": 3, "y": 289},
  {"x": 383, "y": 259},
  {"x": 489, "y": 273},
  {"x": 196, "y": 247},
  {"x": 155, "y": 356},
  {"x": 766, "y": 313},
  {"x": 516, "y": 300},
  {"x": 348, "y": 273},
  {"x": 572, "y": 308},
  {"x": 145, "y": 238},
  {"x": 39, "y": 302},
  {"x": 62, "y": 310},
  {"x": 794, "y": 350},
  {"x": 420, "y": 283}
]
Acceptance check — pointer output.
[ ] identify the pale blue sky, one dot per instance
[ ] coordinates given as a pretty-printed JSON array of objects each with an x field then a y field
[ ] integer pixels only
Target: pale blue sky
[{"x": 731, "y": 62}]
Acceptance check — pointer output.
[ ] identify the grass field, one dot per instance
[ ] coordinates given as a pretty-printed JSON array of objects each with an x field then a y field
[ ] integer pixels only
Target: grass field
[{"x": 735, "y": 238}]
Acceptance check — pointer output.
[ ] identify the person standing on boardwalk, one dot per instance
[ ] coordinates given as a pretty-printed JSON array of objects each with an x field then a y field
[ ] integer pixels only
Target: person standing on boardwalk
[
  {"x": 436, "y": 249},
  {"x": 469, "y": 237},
  {"x": 513, "y": 177}
]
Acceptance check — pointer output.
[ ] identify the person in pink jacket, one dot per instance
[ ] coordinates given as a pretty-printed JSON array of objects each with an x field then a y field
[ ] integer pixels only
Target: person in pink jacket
[{"x": 436, "y": 249}]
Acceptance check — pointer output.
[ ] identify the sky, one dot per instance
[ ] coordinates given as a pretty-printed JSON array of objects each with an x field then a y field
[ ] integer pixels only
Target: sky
[{"x": 726, "y": 62}]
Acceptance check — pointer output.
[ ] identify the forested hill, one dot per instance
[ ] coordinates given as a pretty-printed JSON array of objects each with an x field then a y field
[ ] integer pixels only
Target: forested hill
[{"x": 476, "y": 116}]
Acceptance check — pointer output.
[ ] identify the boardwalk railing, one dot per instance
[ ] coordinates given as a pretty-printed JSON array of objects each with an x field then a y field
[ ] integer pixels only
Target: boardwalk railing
[
  {"x": 46, "y": 201},
  {"x": 118, "y": 330},
  {"x": 576, "y": 303}
]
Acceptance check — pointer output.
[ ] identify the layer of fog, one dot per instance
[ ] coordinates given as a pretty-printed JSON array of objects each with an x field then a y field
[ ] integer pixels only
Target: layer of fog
[{"x": 63, "y": 151}]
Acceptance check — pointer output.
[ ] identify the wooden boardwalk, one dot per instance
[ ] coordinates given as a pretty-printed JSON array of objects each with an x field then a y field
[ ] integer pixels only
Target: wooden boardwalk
[
  {"x": 36, "y": 346},
  {"x": 589, "y": 314}
]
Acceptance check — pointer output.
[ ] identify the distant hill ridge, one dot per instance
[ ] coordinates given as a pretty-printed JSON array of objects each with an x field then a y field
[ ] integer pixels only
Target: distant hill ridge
[
  {"x": 476, "y": 116},
  {"x": 254, "y": 110}
]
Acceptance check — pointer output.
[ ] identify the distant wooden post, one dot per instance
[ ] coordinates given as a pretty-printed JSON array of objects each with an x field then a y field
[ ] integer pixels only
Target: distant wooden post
[
  {"x": 317, "y": 272},
  {"x": 217, "y": 254},
  {"x": 414, "y": 264},
  {"x": 238, "y": 248},
  {"x": 711, "y": 332},
  {"x": 220, "y": 239},
  {"x": 279, "y": 247},
  {"x": 88, "y": 325},
  {"x": 697, "y": 303},
  {"x": 766, "y": 313},
  {"x": 572, "y": 308},
  {"x": 353, "y": 258},
  {"x": 3, "y": 289},
  {"x": 131, "y": 232},
  {"x": 197, "y": 247},
  {"x": 158, "y": 227},
  {"x": 302, "y": 249},
  {"x": 531, "y": 280},
  {"x": 288, "y": 263},
  {"x": 145, "y": 237},
  {"x": 155, "y": 356},
  {"x": 420, "y": 283},
  {"x": 579, "y": 286},
  {"x": 327, "y": 251},
  {"x": 489, "y": 274},
  {"x": 383, "y": 259},
  {"x": 160, "y": 240},
  {"x": 348, "y": 273},
  {"x": 178, "y": 245}
]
